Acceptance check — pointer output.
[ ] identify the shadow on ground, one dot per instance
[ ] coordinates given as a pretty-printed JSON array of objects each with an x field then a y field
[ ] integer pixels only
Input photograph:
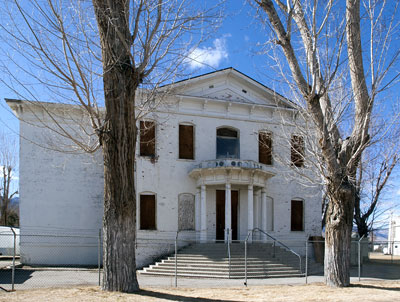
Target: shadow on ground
[
  {"x": 380, "y": 271},
  {"x": 147, "y": 293},
  {"x": 385, "y": 271},
  {"x": 20, "y": 276},
  {"x": 32, "y": 278},
  {"x": 397, "y": 289}
]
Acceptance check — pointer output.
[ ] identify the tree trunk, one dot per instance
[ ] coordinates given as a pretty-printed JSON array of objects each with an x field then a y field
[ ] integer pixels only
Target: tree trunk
[
  {"x": 119, "y": 221},
  {"x": 338, "y": 235},
  {"x": 118, "y": 138},
  {"x": 5, "y": 200},
  {"x": 362, "y": 228}
]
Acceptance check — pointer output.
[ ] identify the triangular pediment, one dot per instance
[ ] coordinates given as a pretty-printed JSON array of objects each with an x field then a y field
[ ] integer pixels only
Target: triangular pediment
[
  {"x": 232, "y": 86},
  {"x": 228, "y": 94}
]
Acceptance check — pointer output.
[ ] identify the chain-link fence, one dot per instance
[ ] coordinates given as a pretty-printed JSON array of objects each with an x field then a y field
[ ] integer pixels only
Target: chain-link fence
[
  {"x": 35, "y": 260},
  {"x": 182, "y": 259},
  {"x": 259, "y": 257}
]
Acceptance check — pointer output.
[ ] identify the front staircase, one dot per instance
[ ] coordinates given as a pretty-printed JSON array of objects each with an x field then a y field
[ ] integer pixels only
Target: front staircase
[{"x": 210, "y": 260}]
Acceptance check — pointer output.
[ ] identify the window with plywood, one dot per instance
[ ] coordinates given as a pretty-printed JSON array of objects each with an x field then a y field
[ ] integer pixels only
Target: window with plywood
[
  {"x": 147, "y": 138},
  {"x": 297, "y": 215},
  {"x": 186, "y": 142},
  {"x": 297, "y": 151},
  {"x": 147, "y": 212},
  {"x": 265, "y": 148}
]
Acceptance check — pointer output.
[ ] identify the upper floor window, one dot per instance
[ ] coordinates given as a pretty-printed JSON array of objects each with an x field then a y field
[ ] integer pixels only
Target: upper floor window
[
  {"x": 186, "y": 142},
  {"x": 265, "y": 148},
  {"x": 297, "y": 150},
  {"x": 227, "y": 143},
  {"x": 147, "y": 138}
]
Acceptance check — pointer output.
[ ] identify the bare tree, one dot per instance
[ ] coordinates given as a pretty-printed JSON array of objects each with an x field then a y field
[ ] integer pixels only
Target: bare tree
[
  {"x": 374, "y": 171},
  {"x": 105, "y": 53},
  {"x": 7, "y": 167},
  {"x": 323, "y": 47}
]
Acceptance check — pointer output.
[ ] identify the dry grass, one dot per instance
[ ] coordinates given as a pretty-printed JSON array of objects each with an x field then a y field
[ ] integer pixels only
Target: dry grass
[
  {"x": 364, "y": 291},
  {"x": 381, "y": 258}
]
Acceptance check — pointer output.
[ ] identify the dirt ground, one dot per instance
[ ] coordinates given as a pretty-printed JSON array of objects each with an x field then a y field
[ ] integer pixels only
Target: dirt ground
[
  {"x": 381, "y": 258},
  {"x": 363, "y": 291}
]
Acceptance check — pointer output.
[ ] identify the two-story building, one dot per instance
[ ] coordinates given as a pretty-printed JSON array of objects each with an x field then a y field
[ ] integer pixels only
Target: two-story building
[{"x": 212, "y": 162}]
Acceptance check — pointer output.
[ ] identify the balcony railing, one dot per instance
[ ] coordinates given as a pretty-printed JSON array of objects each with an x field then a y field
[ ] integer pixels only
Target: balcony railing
[{"x": 231, "y": 163}]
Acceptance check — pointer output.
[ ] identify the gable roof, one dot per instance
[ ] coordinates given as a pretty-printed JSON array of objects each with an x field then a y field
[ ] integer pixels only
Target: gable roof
[{"x": 231, "y": 85}]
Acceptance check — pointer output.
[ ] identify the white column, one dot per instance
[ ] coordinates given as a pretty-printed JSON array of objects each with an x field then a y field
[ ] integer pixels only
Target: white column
[
  {"x": 263, "y": 212},
  {"x": 270, "y": 214},
  {"x": 203, "y": 220},
  {"x": 250, "y": 208},
  {"x": 197, "y": 205},
  {"x": 228, "y": 211},
  {"x": 256, "y": 209}
]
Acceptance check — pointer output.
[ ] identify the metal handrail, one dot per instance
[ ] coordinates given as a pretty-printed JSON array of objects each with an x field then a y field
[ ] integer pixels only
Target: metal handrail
[
  {"x": 359, "y": 257},
  {"x": 229, "y": 252},
  {"x": 245, "y": 258},
  {"x": 176, "y": 258},
  {"x": 275, "y": 241},
  {"x": 13, "y": 262}
]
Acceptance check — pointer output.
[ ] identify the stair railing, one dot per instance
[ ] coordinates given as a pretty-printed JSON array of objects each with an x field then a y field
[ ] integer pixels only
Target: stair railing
[
  {"x": 275, "y": 241},
  {"x": 229, "y": 252},
  {"x": 176, "y": 258},
  {"x": 245, "y": 257}
]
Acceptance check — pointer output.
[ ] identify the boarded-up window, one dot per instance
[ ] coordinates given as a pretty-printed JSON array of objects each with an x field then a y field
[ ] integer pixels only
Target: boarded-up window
[
  {"x": 297, "y": 216},
  {"x": 186, "y": 212},
  {"x": 186, "y": 143},
  {"x": 147, "y": 212},
  {"x": 147, "y": 138},
  {"x": 297, "y": 151},
  {"x": 265, "y": 148}
]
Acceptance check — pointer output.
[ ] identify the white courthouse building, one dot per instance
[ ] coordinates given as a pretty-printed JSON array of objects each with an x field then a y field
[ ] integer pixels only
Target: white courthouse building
[{"x": 214, "y": 157}]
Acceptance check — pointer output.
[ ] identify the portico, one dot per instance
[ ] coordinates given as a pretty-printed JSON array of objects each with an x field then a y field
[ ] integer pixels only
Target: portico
[{"x": 231, "y": 177}]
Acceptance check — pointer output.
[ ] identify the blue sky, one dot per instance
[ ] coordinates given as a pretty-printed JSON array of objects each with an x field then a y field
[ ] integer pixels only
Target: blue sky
[{"x": 234, "y": 44}]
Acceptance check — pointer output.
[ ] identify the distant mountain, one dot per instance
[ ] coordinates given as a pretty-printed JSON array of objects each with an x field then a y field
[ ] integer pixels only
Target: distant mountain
[
  {"x": 381, "y": 235},
  {"x": 15, "y": 201}
]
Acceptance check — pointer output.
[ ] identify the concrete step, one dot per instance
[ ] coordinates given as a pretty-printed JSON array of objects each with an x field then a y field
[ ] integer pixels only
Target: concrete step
[
  {"x": 211, "y": 261},
  {"x": 222, "y": 271},
  {"x": 225, "y": 275},
  {"x": 222, "y": 263},
  {"x": 276, "y": 266}
]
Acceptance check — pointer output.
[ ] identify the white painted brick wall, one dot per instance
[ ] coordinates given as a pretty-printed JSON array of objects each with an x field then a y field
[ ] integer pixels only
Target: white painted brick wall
[{"x": 63, "y": 193}]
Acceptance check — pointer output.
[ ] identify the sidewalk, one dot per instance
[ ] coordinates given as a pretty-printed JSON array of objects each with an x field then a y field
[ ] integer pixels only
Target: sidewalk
[
  {"x": 369, "y": 271},
  {"x": 69, "y": 277}
]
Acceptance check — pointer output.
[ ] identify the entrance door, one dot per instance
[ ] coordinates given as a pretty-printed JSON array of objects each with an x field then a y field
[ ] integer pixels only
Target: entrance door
[{"x": 220, "y": 214}]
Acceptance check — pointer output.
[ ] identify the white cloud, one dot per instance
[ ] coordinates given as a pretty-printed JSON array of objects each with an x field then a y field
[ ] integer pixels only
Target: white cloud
[{"x": 202, "y": 57}]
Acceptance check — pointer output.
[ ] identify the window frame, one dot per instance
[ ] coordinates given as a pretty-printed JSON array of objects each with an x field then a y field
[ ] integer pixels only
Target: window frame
[
  {"x": 227, "y": 137},
  {"x": 268, "y": 134},
  {"x": 194, "y": 212},
  {"x": 140, "y": 212},
  {"x": 292, "y": 227},
  {"x": 144, "y": 144},
  {"x": 185, "y": 124},
  {"x": 297, "y": 155}
]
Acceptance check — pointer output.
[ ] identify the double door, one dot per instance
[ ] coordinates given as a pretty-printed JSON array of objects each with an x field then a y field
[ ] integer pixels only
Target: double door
[{"x": 220, "y": 214}]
